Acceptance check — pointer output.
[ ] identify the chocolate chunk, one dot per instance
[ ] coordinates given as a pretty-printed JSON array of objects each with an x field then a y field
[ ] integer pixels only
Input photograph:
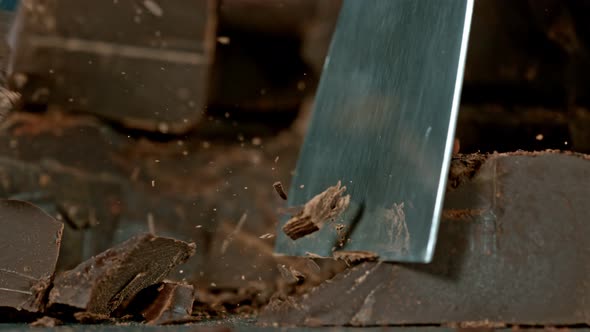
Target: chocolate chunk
[
  {"x": 29, "y": 247},
  {"x": 100, "y": 284},
  {"x": 325, "y": 206},
  {"x": 300, "y": 226},
  {"x": 464, "y": 168},
  {"x": 174, "y": 303}
]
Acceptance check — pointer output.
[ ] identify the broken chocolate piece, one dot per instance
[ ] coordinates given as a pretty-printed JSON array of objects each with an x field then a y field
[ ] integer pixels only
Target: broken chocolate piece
[
  {"x": 100, "y": 284},
  {"x": 526, "y": 235},
  {"x": 279, "y": 189},
  {"x": 463, "y": 168},
  {"x": 324, "y": 206},
  {"x": 29, "y": 247},
  {"x": 174, "y": 303},
  {"x": 353, "y": 257},
  {"x": 298, "y": 227}
]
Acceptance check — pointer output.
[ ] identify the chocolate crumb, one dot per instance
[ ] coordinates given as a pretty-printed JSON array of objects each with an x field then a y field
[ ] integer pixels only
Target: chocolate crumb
[
  {"x": 463, "y": 168},
  {"x": 355, "y": 257},
  {"x": 341, "y": 232},
  {"x": 298, "y": 227},
  {"x": 279, "y": 189}
]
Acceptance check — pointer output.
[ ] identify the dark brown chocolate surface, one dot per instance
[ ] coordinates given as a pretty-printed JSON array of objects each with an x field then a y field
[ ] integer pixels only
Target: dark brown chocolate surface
[
  {"x": 174, "y": 303},
  {"x": 29, "y": 247},
  {"x": 512, "y": 249},
  {"x": 100, "y": 284}
]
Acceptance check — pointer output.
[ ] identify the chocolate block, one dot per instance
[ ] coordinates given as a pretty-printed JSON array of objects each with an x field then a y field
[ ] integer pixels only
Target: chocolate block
[
  {"x": 29, "y": 246},
  {"x": 144, "y": 48},
  {"x": 87, "y": 203},
  {"x": 174, "y": 303},
  {"x": 512, "y": 249},
  {"x": 100, "y": 284}
]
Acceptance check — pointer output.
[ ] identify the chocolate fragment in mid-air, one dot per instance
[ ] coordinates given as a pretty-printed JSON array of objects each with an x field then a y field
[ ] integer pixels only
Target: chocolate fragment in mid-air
[
  {"x": 100, "y": 284},
  {"x": 324, "y": 206},
  {"x": 29, "y": 246},
  {"x": 280, "y": 190}
]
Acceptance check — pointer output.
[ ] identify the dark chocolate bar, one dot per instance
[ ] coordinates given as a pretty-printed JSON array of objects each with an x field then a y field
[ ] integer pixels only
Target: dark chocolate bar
[
  {"x": 100, "y": 284},
  {"x": 29, "y": 247}
]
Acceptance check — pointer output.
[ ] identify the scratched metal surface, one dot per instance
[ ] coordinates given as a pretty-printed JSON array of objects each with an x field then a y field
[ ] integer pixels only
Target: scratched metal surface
[{"x": 384, "y": 124}]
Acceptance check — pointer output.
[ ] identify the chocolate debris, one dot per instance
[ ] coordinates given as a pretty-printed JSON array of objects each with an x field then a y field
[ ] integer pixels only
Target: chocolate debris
[
  {"x": 326, "y": 205},
  {"x": 100, "y": 284},
  {"x": 29, "y": 247},
  {"x": 355, "y": 257},
  {"x": 279, "y": 189}
]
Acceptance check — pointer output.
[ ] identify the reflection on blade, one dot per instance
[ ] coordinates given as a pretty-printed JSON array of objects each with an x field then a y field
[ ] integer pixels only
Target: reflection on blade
[{"x": 383, "y": 124}]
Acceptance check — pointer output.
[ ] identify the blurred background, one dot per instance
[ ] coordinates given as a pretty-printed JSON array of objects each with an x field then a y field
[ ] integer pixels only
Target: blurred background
[{"x": 183, "y": 113}]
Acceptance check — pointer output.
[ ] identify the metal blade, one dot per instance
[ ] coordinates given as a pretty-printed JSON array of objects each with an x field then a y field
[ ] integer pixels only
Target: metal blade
[{"x": 384, "y": 124}]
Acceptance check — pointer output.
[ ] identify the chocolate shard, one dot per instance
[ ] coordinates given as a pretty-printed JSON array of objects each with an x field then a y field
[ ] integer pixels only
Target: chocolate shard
[
  {"x": 325, "y": 206},
  {"x": 100, "y": 284},
  {"x": 173, "y": 304},
  {"x": 299, "y": 227},
  {"x": 279, "y": 189},
  {"x": 29, "y": 247},
  {"x": 353, "y": 257},
  {"x": 75, "y": 89}
]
